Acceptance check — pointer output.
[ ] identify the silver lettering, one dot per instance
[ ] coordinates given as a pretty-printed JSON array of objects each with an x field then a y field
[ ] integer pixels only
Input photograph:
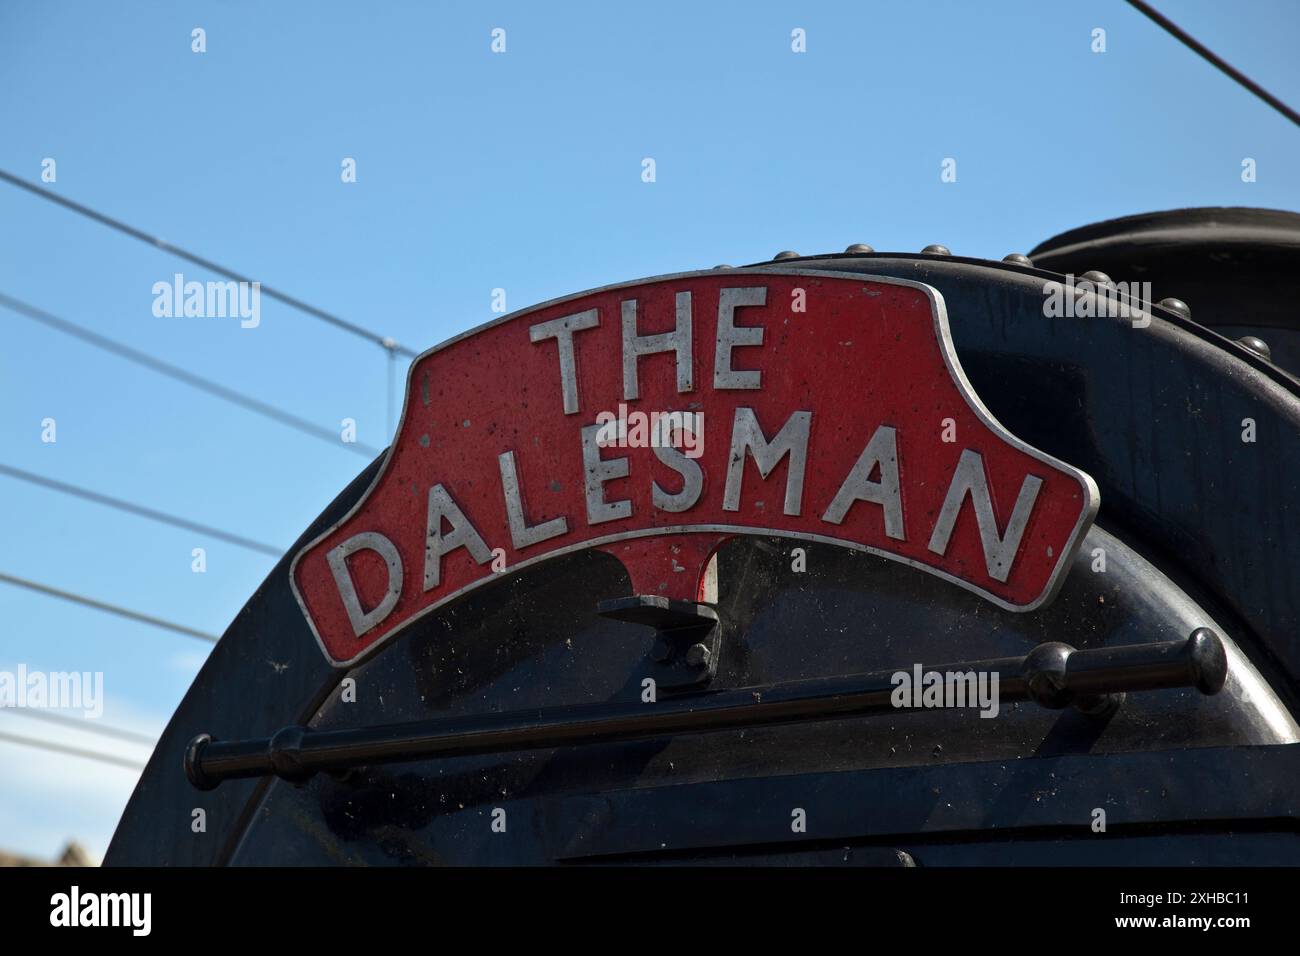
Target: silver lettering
[
  {"x": 562, "y": 330},
  {"x": 337, "y": 558},
  {"x": 521, "y": 535},
  {"x": 436, "y": 544},
  {"x": 882, "y": 450},
  {"x": 969, "y": 478},
  {"x": 678, "y": 340},
  {"x": 792, "y": 440},
  {"x": 595, "y": 472},
  {"x": 692, "y": 480},
  {"x": 730, "y": 337}
]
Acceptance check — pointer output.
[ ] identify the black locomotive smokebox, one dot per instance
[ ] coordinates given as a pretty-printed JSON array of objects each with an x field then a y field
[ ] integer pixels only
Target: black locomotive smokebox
[{"x": 1234, "y": 266}]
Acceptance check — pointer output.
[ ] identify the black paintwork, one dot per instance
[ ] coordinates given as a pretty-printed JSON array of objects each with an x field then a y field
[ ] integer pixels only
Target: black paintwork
[{"x": 1053, "y": 675}]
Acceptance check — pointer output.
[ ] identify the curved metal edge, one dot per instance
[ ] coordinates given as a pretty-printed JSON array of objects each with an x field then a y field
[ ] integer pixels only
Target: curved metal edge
[{"x": 1092, "y": 494}]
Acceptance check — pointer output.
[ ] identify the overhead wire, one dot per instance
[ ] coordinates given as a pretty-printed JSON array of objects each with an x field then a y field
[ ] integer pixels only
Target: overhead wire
[
  {"x": 1183, "y": 37},
  {"x": 139, "y": 510},
  {"x": 179, "y": 374},
  {"x": 72, "y": 751},
  {"x": 74, "y": 598},
  {"x": 85, "y": 724},
  {"x": 383, "y": 341}
]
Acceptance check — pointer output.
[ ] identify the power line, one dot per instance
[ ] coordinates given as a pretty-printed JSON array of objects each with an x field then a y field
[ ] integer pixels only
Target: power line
[
  {"x": 109, "y": 608},
  {"x": 139, "y": 510},
  {"x": 72, "y": 751},
  {"x": 181, "y": 375},
  {"x": 383, "y": 341},
  {"x": 1183, "y": 37},
  {"x": 93, "y": 727}
]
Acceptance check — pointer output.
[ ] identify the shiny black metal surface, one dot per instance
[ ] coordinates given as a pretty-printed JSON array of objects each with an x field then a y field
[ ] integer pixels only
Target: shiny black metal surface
[
  {"x": 1234, "y": 267},
  {"x": 1053, "y": 675}
]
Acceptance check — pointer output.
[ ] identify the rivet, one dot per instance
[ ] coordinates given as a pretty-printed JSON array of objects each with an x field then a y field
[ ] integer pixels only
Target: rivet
[
  {"x": 1177, "y": 306},
  {"x": 934, "y": 249},
  {"x": 787, "y": 254},
  {"x": 724, "y": 266},
  {"x": 1097, "y": 278},
  {"x": 1257, "y": 345},
  {"x": 1018, "y": 260},
  {"x": 859, "y": 248}
]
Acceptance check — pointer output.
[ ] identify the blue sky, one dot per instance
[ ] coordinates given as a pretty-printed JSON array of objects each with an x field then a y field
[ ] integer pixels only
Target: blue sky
[{"x": 477, "y": 171}]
